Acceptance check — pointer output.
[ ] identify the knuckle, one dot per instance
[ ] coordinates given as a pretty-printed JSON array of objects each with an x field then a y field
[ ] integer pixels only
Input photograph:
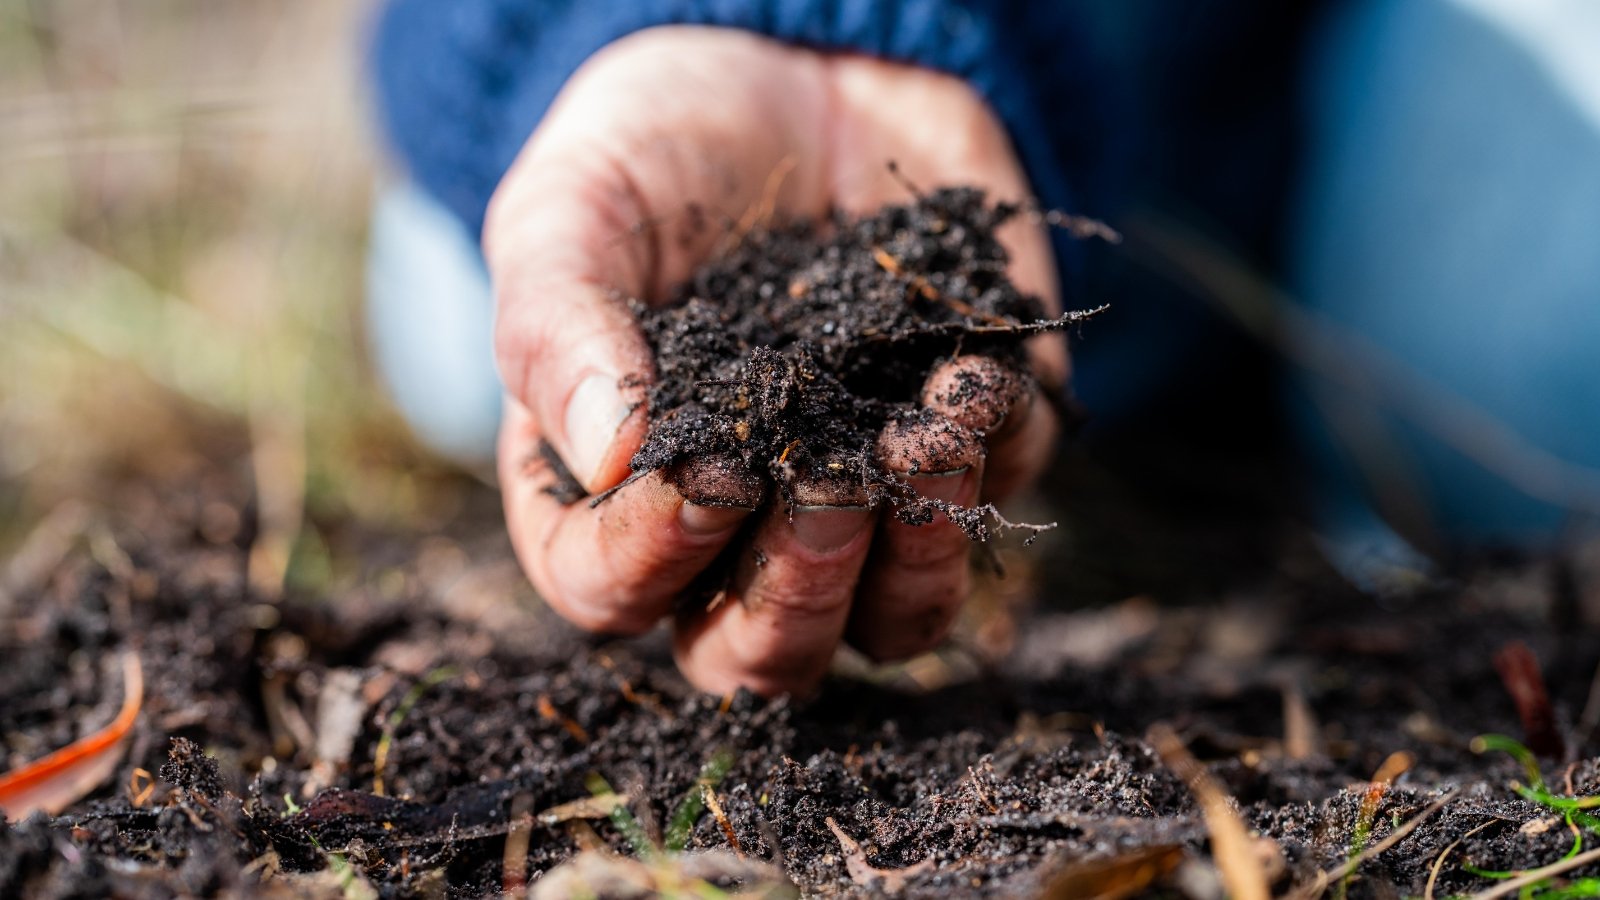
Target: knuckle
[
  {"x": 795, "y": 601},
  {"x": 938, "y": 546},
  {"x": 599, "y": 615}
]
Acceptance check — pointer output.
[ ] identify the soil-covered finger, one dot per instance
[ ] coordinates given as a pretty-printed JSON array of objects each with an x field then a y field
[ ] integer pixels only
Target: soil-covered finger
[
  {"x": 784, "y": 612},
  {"x": 923, "y": 442},
  {"x": 918, "y": 575},
  {"x": 778, "y": 625},
  {"x": 982, "y": 393},
  {"x": 1000, "y": 400},
  {"x": 617, "y": 567}
]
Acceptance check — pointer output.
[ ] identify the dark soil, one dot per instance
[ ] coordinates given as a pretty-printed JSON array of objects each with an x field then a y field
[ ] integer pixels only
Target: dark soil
[{"x": 979, "y": 778}]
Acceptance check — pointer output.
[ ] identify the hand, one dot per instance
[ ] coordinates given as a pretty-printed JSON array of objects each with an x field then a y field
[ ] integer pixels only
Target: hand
[{"x": 598, "y": 207}]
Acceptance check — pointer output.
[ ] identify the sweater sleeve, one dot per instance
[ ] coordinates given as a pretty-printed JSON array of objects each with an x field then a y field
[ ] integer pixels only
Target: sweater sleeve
[{"x": 461, "y": 84}]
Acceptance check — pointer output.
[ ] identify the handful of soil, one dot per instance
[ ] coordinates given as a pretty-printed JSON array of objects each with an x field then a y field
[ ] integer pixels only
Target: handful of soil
[{"x": 784, "y": 360}]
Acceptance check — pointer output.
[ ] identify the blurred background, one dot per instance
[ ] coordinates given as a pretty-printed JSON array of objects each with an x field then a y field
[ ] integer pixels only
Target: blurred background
[
  {"x": 185, "y": 188},
  {"x": 184, "y": 191}
]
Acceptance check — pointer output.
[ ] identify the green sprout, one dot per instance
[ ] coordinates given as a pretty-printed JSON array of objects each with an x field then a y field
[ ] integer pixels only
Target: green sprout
[{"x": 1573, "y": 811}]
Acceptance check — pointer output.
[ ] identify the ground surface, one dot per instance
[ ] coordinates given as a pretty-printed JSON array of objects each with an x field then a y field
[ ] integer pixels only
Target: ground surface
[{"x": 981, "y": 772}]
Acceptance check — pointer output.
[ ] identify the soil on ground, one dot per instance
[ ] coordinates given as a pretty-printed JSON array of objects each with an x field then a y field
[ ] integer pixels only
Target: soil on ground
[
  {"x": 402, "y": 735},
  {"x": 418, "y": 724}
]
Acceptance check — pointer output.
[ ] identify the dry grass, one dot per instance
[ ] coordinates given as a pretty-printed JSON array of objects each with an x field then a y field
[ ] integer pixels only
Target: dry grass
[{"x": 184, "y": 189}]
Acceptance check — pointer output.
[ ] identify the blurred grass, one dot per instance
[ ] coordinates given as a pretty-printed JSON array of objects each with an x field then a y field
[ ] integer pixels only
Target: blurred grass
[{"x": 184, "y": 188}]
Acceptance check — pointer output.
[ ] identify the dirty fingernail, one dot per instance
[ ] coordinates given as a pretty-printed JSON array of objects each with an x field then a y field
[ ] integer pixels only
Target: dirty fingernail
[
  {"x": 594, "y": 412},
  {"x": 951, "y": 487},
  {"x": 699, "y": 519},
  {"x": 824, "y": 529}
]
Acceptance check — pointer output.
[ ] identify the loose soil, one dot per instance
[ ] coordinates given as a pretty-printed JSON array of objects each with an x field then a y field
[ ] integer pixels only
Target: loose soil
[
  {"x": 964, "y": 774},
  {"x": 420, "y": 725}
]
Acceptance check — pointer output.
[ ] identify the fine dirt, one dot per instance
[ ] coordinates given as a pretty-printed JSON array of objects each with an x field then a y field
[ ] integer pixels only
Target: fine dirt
[{"x": 961, "y": 775}]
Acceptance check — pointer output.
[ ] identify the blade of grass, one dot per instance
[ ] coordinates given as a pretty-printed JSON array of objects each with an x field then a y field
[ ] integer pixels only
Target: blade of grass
[
  {"x": 380, "y": 756},
  {"x": 681, "y": 825},
  {"x": 1535, "y": 876},
  {"x": 623, "y": 820}
]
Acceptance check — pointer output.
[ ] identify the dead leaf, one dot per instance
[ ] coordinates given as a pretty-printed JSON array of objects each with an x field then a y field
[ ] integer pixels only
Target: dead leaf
[
  {"x": 1115, "y": 877},
  {"x": 60, "y": 779}
]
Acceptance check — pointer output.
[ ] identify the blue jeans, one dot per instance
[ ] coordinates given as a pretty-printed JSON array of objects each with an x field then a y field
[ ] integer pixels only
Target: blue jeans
[{"x": 1449, "y": 217}]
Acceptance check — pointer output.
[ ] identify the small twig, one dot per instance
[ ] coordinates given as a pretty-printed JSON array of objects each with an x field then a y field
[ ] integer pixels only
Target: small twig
[
  {"x": 548, "y": 711},
  {"x": 1080, "y": 227},
  {"x": 713, "y": 804},
  {"x": 865, "y": 874},
  {"x": 905, "y": 180},
  {"x": 605, "y": 495},
  {"x": 1340, "y": 872},
  {"x": 964, "y": 329},
  {"x": 1242, "y": 872},
  {"x": 927, "y": 291},
  {"x": 1534, "y": 876},
  {"x": 1302, "y": 739},
  {"x": 977, "y": 788},
  {"x": 1438, "y": 862},
  {"x": 514, "y": 864}
]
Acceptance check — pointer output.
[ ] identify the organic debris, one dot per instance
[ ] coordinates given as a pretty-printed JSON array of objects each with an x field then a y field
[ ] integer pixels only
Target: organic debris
[
  {"x": 61, "y": 779},
  {"x": 991, "y": 785}
]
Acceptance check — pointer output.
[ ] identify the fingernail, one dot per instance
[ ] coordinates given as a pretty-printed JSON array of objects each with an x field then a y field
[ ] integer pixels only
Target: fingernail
[
  {"x": 594, "y": 412},
  {"x": 700, "y": 519},
  {"x": 951, "y": 487},
  {"x": 824, "y": 529}
]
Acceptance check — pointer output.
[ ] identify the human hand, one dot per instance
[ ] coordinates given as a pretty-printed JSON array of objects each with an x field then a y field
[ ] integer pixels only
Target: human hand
[{"x": 596, "y": 209}]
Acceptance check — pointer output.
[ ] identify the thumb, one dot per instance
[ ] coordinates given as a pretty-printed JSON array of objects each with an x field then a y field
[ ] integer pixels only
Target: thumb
[{"x": 566, "y": 344}]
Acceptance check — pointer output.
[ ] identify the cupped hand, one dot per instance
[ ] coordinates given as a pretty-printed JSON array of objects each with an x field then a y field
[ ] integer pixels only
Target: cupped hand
[{"x": 621, "y": 192}]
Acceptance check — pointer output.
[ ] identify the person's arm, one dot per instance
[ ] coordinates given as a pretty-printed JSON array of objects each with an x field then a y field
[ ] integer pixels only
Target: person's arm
[
  {"x": 648, "y": 126},
  {"x": 461, "y": 84}
]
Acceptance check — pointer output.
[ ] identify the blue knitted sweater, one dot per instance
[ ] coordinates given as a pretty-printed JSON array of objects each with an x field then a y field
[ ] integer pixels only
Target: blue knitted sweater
[{"x": 1112, "y": 104}]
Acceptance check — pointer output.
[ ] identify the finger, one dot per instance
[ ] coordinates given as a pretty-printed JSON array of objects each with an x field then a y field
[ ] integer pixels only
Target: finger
[
  {"x": 917, "y": 576},
  {"x": 999, "y": 401},
  {"x": 567, "y": 347},
  {"x": 786, "y": 609},
  {"x": 617, "y": 567}
]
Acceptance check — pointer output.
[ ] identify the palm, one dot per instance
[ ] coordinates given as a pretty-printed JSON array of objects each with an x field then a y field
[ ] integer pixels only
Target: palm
[{"x": 657, "y": 148}]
